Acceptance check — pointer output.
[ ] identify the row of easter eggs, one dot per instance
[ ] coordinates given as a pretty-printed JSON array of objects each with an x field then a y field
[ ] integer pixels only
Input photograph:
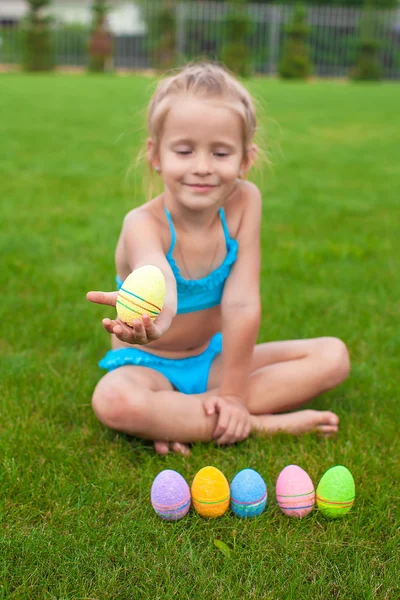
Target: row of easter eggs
[{"x": 211, "y": 494}]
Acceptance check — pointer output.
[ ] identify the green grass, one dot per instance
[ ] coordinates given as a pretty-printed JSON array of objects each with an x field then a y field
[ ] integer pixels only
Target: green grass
[{"x": 76, "y": 520}]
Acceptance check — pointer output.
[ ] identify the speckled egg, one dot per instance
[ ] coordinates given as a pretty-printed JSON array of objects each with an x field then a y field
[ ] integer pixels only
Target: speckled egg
[
  {"x": 210, "y": 493},
  {"x": 248, "y": 494},
  {"x": 336, "y": 492},
  {"x": 295, "y": 492},
  {"x": 170, "y": 495}
]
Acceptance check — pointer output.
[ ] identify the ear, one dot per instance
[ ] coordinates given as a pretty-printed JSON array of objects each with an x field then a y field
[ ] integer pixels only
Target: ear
[
  {"x": 249, "y": 161},
  {"x": 152, "y": 158}
]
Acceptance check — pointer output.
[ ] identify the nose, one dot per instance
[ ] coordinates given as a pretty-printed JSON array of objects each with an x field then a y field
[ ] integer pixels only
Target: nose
[{"x": 203, "y": 165}]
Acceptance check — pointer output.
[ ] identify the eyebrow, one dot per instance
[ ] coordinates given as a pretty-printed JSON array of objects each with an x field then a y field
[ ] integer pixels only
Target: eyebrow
[{"x": 189, "y": 141}]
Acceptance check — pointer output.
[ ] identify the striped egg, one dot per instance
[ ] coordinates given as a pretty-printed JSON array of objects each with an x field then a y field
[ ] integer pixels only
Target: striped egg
[
  {"x": 295, "y": 492},
  {"x": 170, "y": 495},
  {"x": 143, "y": 292},
  {"x": 210, "y": 493},
  {"x": 336, "y": 492},
  {"x": 248, "y": 494}
]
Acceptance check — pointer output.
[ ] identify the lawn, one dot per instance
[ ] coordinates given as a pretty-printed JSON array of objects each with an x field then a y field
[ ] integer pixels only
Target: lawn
[{"x": 76, "y": 520}]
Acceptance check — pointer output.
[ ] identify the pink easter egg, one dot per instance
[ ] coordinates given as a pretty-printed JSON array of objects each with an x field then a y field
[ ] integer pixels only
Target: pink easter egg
[{"x": 295, "y": 492}]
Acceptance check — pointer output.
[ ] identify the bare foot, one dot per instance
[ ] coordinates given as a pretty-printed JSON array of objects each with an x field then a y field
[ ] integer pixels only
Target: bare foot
[
  {"x": 164, "y": 447},
  {"x": 303, "y": 421}
]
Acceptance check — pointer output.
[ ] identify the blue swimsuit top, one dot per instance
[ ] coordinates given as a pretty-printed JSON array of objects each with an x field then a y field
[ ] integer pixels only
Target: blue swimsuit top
[{"x": 199, "y": 294}]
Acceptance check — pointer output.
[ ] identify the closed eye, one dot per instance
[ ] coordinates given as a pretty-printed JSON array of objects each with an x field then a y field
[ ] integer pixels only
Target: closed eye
[{"x": 186, "y": 152}]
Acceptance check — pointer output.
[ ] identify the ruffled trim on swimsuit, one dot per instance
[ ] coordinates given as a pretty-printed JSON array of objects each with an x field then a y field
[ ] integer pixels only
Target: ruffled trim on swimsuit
[
  {"x": 131, "y": 356},
  {"x": 121, "y": 357},
  {"x": 211, "y": 280}
]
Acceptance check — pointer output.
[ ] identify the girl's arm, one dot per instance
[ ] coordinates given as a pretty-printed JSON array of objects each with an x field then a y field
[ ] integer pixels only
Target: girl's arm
[
  {"x": 142, "y": 246},
  {"x": 241, "y": 310},
  {"x": 241, "y": 306}
]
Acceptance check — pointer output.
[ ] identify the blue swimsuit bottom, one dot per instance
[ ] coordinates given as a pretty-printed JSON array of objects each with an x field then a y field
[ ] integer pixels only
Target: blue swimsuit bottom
[{"x": 187, "y": 375}]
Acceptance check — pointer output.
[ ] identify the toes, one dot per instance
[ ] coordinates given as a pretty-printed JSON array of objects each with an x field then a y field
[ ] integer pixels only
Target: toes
[
  {"x": 327, "y": 430},
  {"x": 181, "y": 448},
  {"x": 331, "y": 418},
  {"x": 161, "y": 448}
]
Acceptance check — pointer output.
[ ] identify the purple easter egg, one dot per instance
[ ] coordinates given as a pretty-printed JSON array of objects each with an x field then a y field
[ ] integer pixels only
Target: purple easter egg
[{"x": 170, "y": 495}]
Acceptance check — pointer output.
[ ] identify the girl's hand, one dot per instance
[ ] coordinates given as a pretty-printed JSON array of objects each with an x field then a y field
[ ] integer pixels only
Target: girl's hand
[
  {"x": 107, "y": 298},
  {"x": 143, "y": 330},
  {"x": 234, "y": 421}
]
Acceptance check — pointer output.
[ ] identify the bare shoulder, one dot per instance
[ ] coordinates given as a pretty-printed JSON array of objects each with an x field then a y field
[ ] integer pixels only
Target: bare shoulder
[
  {"x": 143, "y": 234},
  {"x": 243, "y": 208},
  {"x": 146, "y": 215},
  {"x": 146, "y": 221}
]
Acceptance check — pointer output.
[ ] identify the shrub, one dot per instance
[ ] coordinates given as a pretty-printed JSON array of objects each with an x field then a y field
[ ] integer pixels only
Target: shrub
[
  {"x": 296, "y": 62},
  {"x": 367, "y": 65},
  {"x": 160, "y": 41},
  {"x": 100, "y": 41},
  {"x": 235, "y": 53},
  {"x": 37, "y": 42}
]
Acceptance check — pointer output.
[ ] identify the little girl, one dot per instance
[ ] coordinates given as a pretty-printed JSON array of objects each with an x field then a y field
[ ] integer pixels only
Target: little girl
[{"x": 196, "y": 372}]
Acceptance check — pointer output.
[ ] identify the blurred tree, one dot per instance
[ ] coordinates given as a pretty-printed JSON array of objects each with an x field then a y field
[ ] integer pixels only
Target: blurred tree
[
  {"x": 378, "y": 3},
  {"x": 235, "y": 53},
  {"x": 160, "y": 19},
  {"x": 100, "y": 40},
  {"x": 296, "y": 62},
  {"x": 37, "y": 46},
  {"x": 367, "y": 65}
]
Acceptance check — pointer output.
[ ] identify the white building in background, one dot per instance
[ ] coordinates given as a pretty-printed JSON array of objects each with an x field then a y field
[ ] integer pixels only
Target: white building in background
[{"x": 123, "y": 19}]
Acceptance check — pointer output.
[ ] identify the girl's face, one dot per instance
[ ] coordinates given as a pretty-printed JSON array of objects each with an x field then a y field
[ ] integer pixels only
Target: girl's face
[{"x": 201, "y": 152}]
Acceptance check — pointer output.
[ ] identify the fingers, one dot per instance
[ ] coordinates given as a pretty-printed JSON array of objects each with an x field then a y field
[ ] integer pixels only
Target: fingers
[
  {"x": 222, "y": 426},
  {"x": 235, "y": 431},
  {"x": 130, "y": 335},
  {"x": 144, "y": 330},
  {"x": 141, "y": 332},
  {"x": 109, "y": 325},
  {"x": 152, "y": 331},
  {"x": 231, "y": 428},
  {"x": 107, "y": 298},
  {"x": 138, "y": 331},
  {"x": 210, "y": 405},
  {"x": 233, "y": 423},
  {"x": 243, "y": 430}
]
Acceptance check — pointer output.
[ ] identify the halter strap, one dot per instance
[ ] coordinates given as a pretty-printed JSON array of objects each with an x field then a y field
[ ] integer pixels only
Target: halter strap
[{"x": 173, "y": 234}]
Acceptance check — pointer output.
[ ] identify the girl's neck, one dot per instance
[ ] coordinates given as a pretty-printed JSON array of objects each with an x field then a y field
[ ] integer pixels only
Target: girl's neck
[{"x": 189, "y": 220}]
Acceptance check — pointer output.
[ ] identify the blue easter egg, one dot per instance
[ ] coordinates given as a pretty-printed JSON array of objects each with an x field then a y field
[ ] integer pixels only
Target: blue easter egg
[{"x": 248, "y": 494}]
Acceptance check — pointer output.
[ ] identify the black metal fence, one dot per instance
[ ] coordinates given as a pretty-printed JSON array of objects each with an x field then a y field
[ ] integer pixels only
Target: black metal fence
[{"x": 199, "y": 29}]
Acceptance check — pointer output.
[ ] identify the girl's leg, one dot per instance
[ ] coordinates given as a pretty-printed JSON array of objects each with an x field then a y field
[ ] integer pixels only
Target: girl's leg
[
  {"x": 142, "y": 402},
  {"x": 286, "y": 375}
]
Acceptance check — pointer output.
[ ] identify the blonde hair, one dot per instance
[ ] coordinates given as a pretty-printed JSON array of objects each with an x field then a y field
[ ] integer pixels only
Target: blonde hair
[{"x": 202, "y": 79}]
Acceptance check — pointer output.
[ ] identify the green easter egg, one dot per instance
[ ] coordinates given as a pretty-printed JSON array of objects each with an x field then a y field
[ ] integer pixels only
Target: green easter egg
[{"x": 335, "y": 492}]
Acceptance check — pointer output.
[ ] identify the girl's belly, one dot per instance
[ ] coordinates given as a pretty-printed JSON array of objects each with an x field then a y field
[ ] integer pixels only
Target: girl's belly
[{"x": 188, "y": 335}]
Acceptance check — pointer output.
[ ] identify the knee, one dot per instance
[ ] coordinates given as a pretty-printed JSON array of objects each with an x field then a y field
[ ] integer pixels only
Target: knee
[
  {"x": 117, "y": 409},
  {"x": 336, "y": 360}
]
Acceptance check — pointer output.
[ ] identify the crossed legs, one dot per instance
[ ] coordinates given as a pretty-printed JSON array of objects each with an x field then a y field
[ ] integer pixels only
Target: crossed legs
[{"x": 284, "y": 376}]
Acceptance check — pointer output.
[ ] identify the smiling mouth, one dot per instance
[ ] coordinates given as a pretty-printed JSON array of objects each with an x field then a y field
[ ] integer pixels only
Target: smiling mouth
[{"x": 200, "y": 185}]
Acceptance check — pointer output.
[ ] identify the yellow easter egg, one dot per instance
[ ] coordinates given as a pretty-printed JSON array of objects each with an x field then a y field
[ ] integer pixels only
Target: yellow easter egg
[
  {"x": 143, "y": 292},
  {"x": 210, "y": 493}
]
